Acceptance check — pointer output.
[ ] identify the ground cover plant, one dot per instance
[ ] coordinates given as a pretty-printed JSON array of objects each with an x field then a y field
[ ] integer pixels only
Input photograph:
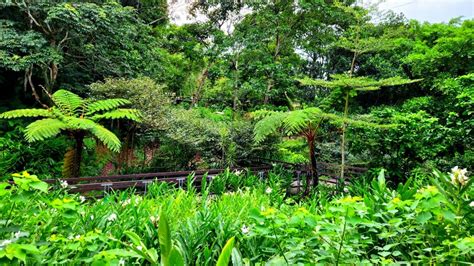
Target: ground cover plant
[{"x": 428, "y": 220}]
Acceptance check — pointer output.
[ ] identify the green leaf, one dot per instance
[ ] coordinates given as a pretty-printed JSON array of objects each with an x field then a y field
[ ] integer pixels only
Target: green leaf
[
  {"x": 236, "y": 258},
  {"x": 175, "y": 258},
  {"x": 26, "y": 113},
  {"x": 153, "y": 255},
  {"x": 41, "y": 186},
  {"x": 423, "y": 217},
  {"x": 226, "y": 253},
  {"x": 164, "y": 237},
  {"x": 130, "y": 114},
  {"x": 105, "y": 105},
  {"x": 107, "y": 137},
  {"x": 67, "y": 101},
  {"x": 43, "y": 129},
  {"x": 381, "y": 179},
  {"x": 133, "y": 237}
]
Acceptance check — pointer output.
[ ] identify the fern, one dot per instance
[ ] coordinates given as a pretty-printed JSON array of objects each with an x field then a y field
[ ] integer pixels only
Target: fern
[
  {"x": 44, "y": 128},
  {"x": 105, "y": 105},
  {"x": 26, "y": 113},
  {"x": 67, "y": 101},
  {"x": 75, "y": 115},
  {"x": 130, "y": 114}
]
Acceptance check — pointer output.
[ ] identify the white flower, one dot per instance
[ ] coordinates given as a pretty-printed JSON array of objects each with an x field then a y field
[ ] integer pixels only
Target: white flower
[
  {"x": 471, "y": 204},
  {"x": 92, "y": 217},
  {"x": 237, "y": 172},
  {"x": 126, "y": 202},
  {"x": 121, "y": 262},
  {"x": 82, "y": 199},
  {"x": 112, "y": 217},
  {"x": 268, "y": 190},
  {"x": 346, "y": 190},
  {"x": 139, "y": 248},
  {"x": 458, "y": 176},
  {"x": 63, "y": 183},
  {"x": 244, "y": 229},
  {"x": 78, "y": 237}
]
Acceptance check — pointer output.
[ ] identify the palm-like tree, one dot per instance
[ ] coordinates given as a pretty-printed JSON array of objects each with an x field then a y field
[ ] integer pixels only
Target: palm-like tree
[
  {"x": 77, "y": 117},
  {"x": 304, "y": 123}
]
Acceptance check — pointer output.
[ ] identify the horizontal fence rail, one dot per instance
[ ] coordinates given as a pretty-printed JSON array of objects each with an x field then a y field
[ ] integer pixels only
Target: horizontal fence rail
[{"x": 179, "y": 178}]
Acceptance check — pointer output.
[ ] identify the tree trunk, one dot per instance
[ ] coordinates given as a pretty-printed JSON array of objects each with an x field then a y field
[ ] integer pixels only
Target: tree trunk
[
  {"x": 79, "y": 137},
  {"x": 267, "y": 92}
]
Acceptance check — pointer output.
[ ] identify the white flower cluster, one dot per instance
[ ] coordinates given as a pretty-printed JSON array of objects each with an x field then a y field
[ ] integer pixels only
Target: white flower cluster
[
  {"x": 63, "y": 183},
  {"x": 458, "y": 176}
]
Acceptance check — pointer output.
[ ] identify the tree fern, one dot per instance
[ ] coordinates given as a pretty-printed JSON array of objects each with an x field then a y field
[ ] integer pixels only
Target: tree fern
[
  {"x": 43, "y": 129},
  {"x": 26, "y": 113},
  {"x": 78, "y": 117}
]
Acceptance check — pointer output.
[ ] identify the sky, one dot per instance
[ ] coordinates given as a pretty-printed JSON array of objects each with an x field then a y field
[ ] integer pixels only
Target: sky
[
  {"x": 430, "y": 10},
  {"x": 423, "y": 10}
]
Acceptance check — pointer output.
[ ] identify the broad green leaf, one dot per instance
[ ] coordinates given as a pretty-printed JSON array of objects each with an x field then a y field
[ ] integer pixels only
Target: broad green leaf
[
  {"x": 41, "y": 186},
  {"x": 164, "y": 236},
  {"x": 226, "y": 253},
  {"x": 175, "y": 258},
  {"x": 423, "y": 217},
  {"x": 133, "y": 237}
]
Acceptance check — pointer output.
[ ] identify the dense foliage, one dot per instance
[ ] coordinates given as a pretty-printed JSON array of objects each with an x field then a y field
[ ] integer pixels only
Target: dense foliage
[
  {"x": 121, "y": 89},
  {"x": 428, "y": 220}
]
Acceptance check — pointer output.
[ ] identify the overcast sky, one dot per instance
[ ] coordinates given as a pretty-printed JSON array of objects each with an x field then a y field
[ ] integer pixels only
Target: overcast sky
[
  {"x": 431, "y": 10},
  {"x": 422, "y": 10}
]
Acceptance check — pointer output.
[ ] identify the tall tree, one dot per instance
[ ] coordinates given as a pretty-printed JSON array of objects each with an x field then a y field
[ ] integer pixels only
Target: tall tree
[{"x": 348, "y": 85}]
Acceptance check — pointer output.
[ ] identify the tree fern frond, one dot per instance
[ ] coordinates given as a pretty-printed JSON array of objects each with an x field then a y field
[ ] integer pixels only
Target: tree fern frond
[
  {"x": 67, "y": 101},
  {"x": 260, "y": 114},
  {"x": 268, "y": 125},
  {"x": 75, "y": 123},
  {"x": 130, "y": 114},
  {"x": 357, "y": 83},
  {"x": 26, "y": 113},
  {"x": 296, "y": 121},
  {"x": 44, "y": 128},
  {"x": 107, "y": 137},
  {"x": 105, "y": 105}
]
